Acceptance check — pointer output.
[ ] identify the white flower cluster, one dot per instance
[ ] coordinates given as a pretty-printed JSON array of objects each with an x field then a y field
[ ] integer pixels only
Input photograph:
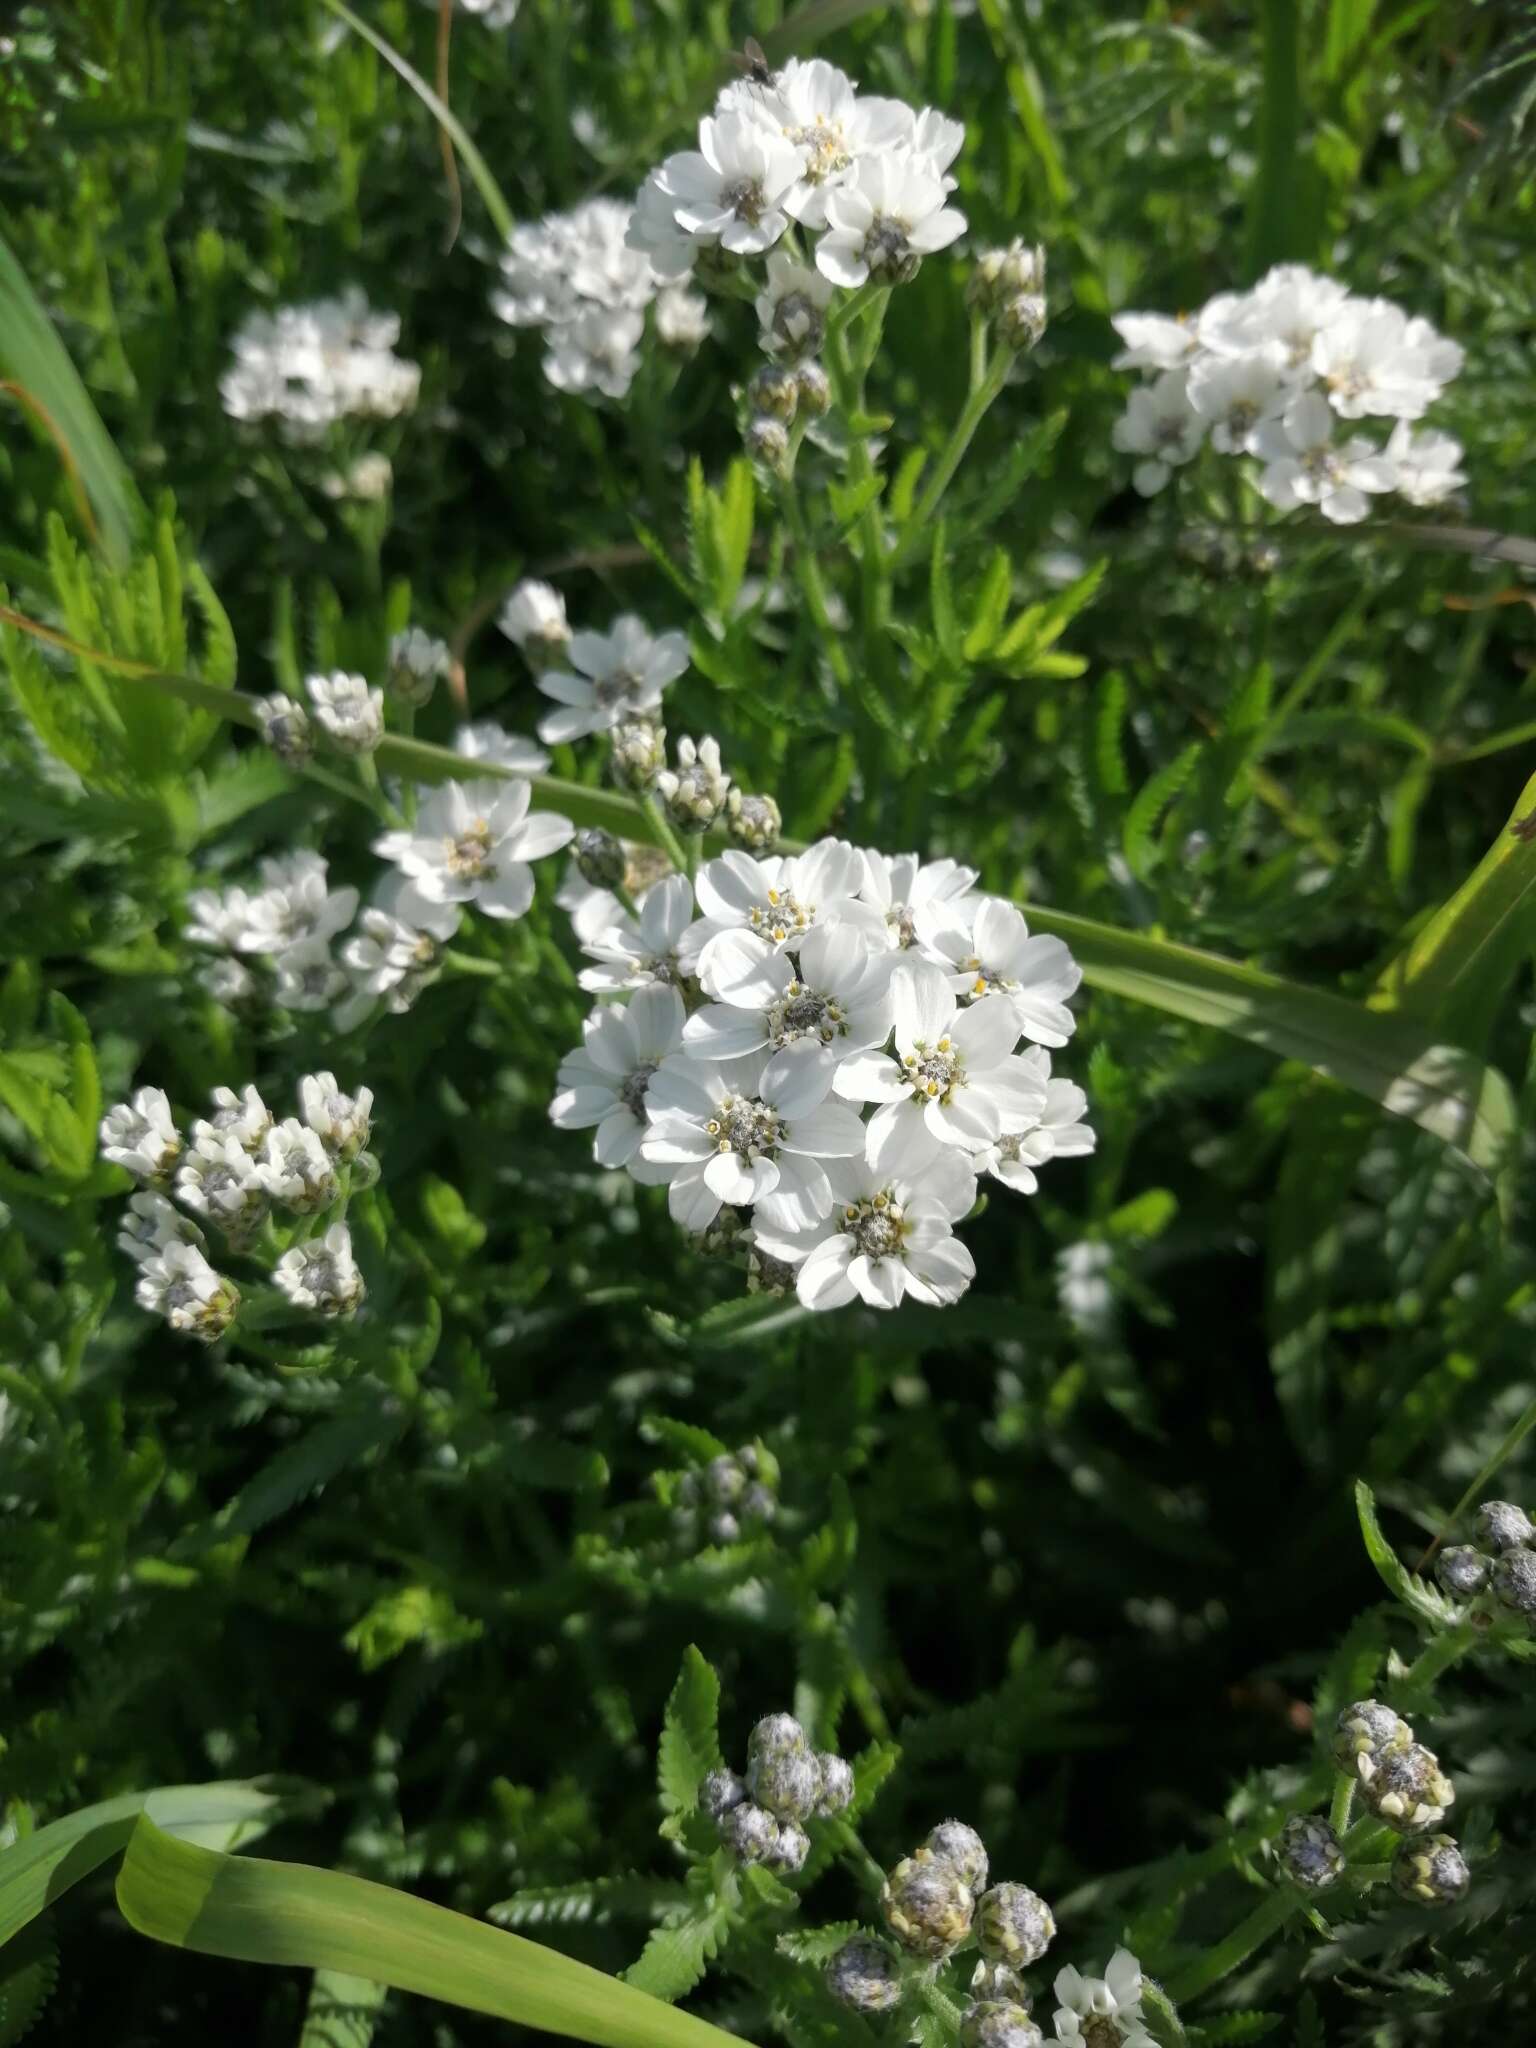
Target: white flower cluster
[
  {"x": 829, "y": 1044},
  {"x": 308, "y": 367},
  {"x": 1272, "y": 373},
  {"x": 238, "y": 1167},
  {"x": 576, "y": 277},
  {"x": 806, "y": 150}
]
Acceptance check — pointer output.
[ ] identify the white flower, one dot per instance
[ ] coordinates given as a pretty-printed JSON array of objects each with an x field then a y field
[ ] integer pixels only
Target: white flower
[
  {"x": 322, "y": 1275},
  {"x": 814, "y": 107},
  {"x": 1236, "y": 395},
  {"x": 284, "y": 726},
  {"x": 149, "y": 1224},
  {"x": 620, "y": 674},
  {"x": 141, "y": 1135},
  {"x": 218, "y": 1179},
  {"x": 1428, "y": 465},
  {"x": 604, "y": 1083},
  {"x": 219, "y": 917},
  {"x": 227, "y": 980},
  {"x": 888, "y": 1235},
  {"x": 567, "y": 263},
  {"x": 1290, "y": 305},
  {"x": 1305, "y": 468},
  {"x": 310, "y": 366},
  {"x": 295, "y": 903},
  {"x": 1160, "y": 424},
  {"x": 748, "y": 1132},
  {"x": 533, "y": 619},
  {"x": 243, "y": 1117},
  {"x": 308, "y": 977},
  {"x": 368, "y": 480},
  {"x": 597, "y": 351},
  {"x": 296, "y": 1170},
  {"x": 347, "y": 711},
  {"x": 1102, "y": 2012},
  {"x": 636, "y": 953},
  {"x": 792, "y": 308},
  {"x": 654, "y": 231},
  {"x": 777, "y": 899},
  {"x": 1084, "y": 1291},
  {"x": 400, "y": 940},
  {"x": 485, "y": 740},
  {"x": 916, "y": 899},
  {"x": 888, "y": 214},
  {"x": 696, "y": 790},
  {"x": 997, "y": 955},
  {"x": 341, "y": 1122},
  {"x": 417, "y": 663},
  {"x": 732, "y": 189},
  {"x": 179, "y": 1284},
  {"x": 1058, "y": 1131},
  {"x": 1154, "y": 341},
  {"x": 837, "y": 996},
  {"x": 955, "y": 1080},
  {"x": 472, "y": 842},
  {"x": 1372, "y": 359},
  {"x": 682, "y": 318}
]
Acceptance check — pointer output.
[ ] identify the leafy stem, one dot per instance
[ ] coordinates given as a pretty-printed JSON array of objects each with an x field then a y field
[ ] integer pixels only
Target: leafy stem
[{"x": 983, "y": 392}]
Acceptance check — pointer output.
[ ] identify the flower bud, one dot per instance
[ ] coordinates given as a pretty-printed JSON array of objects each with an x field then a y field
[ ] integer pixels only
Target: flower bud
[
  {"x": 776, "y": 1735},
  {"x": 753, "y": 821},
  {"x": 638, "y": 752},
  {"x": 349, "y": 713},
  {"x": 1021, "y": 320},
  {"x": 774, "y": 390},
  {"x": 417, "y": 663},
  {"x": 720, "y": 1793},
  {"x": 1431, "y": 1871},
  {"x": 767, "y": 439},
  {"x": 724, "y": 1481},
  {"x": 928, "y": 1908},
  {"x": 696, "y": 791},
  {"x": 1014, "y": 1925},
  {"x": 959, "y": 1846},
  {"x": 758, "y": 1504},
  {"x": 750, "y": 1834},
  {"x": 836, "y": 1785},
  {"x": 723, "y": 1527},
  {"x": 865, "y": 1975},
  {"x": 1003, "y": 274},
  {"x": 815, "y": 389},
  {"x": 996, "y": 1982},
  {"x": 768, "y": 1275},
  {"x": 600, "y": 858},
  {"x": 1514, "y": 1582},
  {"x": 1367, "y": 1729},
  {"x": 1462, "y": 1570},
  {"x": 786, "y": 1781},
  {"x": 1310, "y": 1851},
  {"x": 1502, "y": 1526},
  {"x": 998, "y": 2023},
  {"x": 1406, "y": 1788},
  {"x": 285, "y": 728},
  {"x": 791, "y": 1849}
]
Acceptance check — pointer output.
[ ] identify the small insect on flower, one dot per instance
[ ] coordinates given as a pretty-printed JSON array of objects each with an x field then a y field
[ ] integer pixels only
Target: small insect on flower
[{"x": 751, "y": 63}]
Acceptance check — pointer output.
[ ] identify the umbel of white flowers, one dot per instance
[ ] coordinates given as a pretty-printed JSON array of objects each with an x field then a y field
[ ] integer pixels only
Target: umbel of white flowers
[
  {"x": 309, "y": 367},
  {"x": 1287, "y": 373},
  {"x": 239, "y": 1173}
]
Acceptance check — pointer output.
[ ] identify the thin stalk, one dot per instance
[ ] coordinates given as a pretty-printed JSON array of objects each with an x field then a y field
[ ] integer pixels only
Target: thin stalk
[
  {"x": 662, "y": 833},
  {"x": 1498, "y": 743},
  {"x": 1266, "y": 1919},
  {"x": 978, "y": 351},
  {"x": 1343, "y": 1800},
  {"x": 972, "y": 413},
  {"x": 1439, "y": 1656}
]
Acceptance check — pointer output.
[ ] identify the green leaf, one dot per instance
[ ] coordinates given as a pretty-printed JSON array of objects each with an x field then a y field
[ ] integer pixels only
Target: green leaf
[
  {"x": 308, "y": 1466},
  {"x": 675, "y": 1957},
  {"x": 946, "y": 626},
  {"x": 1423, "y": 1600},
  {"x": 1149, "y": 804},
  {"x": 342, "y": 2011},
  {"x": 291, "y": 1915},
  {"x": 690, "y": 1742},
  {"x": 1234, "y": 2027},
  {"x": 29, "y": 1971},
  {"x": 817, "y": 1944}
]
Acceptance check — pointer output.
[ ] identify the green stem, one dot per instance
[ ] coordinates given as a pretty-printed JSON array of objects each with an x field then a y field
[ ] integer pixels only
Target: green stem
[
  {"x": 1439, "y": 1655},
  {"x": 1218, "y": 1962},
  {"x": 1364, "y": 1874},
  {"x": 978, "y": 351},
  {"x": 662, "y": 833},
  {"x": 626, "y": 901},
  {"x": 1343, "y": 1800},
  {"x": 455, "y": 962},
  {"x": 972, "y": 413}
]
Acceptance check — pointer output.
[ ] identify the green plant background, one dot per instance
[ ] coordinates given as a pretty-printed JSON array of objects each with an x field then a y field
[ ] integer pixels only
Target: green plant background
[{"x": 1086, "y": 1575}]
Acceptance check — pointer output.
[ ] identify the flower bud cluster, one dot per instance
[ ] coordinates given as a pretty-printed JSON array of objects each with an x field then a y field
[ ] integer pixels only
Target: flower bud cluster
[
  {"x": 733, "y": 1495},
  {"x": 762, "y": 1814},
  {"x": 240, "y": 1172},
  {"x": 697, "y": 789},
  {"x": 1008, "y": 288},
  {"x": 1501, "y": 1564},
  {"x": 1399, "y": 1782}
]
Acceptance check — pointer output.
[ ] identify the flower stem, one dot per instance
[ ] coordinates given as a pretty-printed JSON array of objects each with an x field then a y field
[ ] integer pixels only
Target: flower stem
[
  {"x": 666, "y": 838},
  {"x": 1439, "y": 1655},
  {"x": 1218, "y": 1962},
  {"x": 972, "y": 413},
  {"x": 1343, "y": 1799}
]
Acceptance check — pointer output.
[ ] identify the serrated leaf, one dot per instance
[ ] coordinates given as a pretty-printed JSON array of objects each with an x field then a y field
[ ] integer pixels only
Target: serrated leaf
[
  {"x": 817, "y": 1944},
  {"x": 1235, "y": 2027},
  {"x": 689, "y": 1748},
  {"x": 676, "y": 1957},
  {"x": 946, "y": 626},
  {"x": 1149, "y": 804},
  {"x": 1424, "y": 1601},
  {"x": 991, "y": 606},
  {"x": 871, "y": 1768}
]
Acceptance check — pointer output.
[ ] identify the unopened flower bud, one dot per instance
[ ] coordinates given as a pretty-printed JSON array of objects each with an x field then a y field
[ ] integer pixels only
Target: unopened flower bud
[
  {"x": 767, "y": 439},
  {"x": 1367, "y": 1729},
  {"x": 996, "y": 1981},
  {"x": 1014, "y": 1925},
  {"x": 1462, "y": 1570},
  {"x": 1514, "y": 1582},
  {"x": 865, "y": 1975},
  {"x": 815, "y": 389},
  {"x": 1502, "y": 1526},
  {"x": 695, "y": 792},
  {"x": 1406, "y": 1788},
  {"x": 723, "y": 1527},
  {"x": 600, "y": 858},
  {"x": 1021, "y": 320},
  {"x": 776, "y": 1735},
  {"x": 417, "y": 663},
  {"x": 286, "y": 729},
  {"x": 1310, "y": 1851},
  {"x": 998, "y": 2023},
  {"x": 533, "y": 618},
  {"x": 721, "y": 1792},
  {"x": 928, "y": 1907},
  {"x": 638, "y": 752},
  {"x": 1431, "y": 1871},
  {"x": 959, "y": 1846},
  {"x": 349, "y": 713},
  {"x": 758, "y": 1504},
  {"x": 786, "y": 1781},
  {"x": 724, "y": 1238},
  {"x": 724, "y": 1481},
  {"x": 774, "y": 390},
  {"x": 791, "y": 1849},
  {"x": 1003, "y": 274},
  {"x": 768, "y": 1275},
  {"x": 836, "y": 1785},
  {"x": 753, "y": 821},
  {"x": 749, "y": 1833}
]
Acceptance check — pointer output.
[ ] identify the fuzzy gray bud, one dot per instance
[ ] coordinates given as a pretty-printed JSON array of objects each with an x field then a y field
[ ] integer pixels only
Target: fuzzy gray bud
[
  {"x": 836, "y": 1793},
  {"x": 1014, "y": 1925},
  {"x": 758, "y": 1504},
  {"x": 723, "y": 1527},
  {"x": 721, "y": 1792},
  {"x": 1367, "y": 1729},
  {"x": 1514, "y": 1582},
  {"x": 959, "y": 1846},
  {"x": 767, "y": 439},
  {"x": 286, "y": 729},
  {"x": 928, "y": 1907},
  {"x": 750, "y": 1834},
  {"x": 417, "y": 663},
  {"x": 864, "y": 1975},
  {"x": 774, "y": 390},
  {"x": 723, "y": 1480},
  {"x": 1431, "y": 1871},
  {"x": 786, "y": 1781},
  {"x": 1406, "y": 1788},
  {"x": 996, "y": 1982},
  {"x": 998, "y": 2023},
  {"x": 791, "y": 1849},
  {"x": 753, "y": 822},
  {"x": 1462, "y": 1570},
  {"x": 1310, "y": 1851},
  {"x": 1021, "y": 320},
  {"x": 1502, "y": 1526},
  {"x": 600, "y": 858},
  {"x": 815, "y": 389}
]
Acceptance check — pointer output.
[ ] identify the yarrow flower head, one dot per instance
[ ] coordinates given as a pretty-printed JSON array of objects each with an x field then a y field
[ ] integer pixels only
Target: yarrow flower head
[
  {"x": 343, "y": 1123},
  {"x": 697, "y": 789},
  {"x": 889, "y": 214},
  {"x": 141, "y": 1135},
  {"x": 308, "y": 367},
  {"x": 582, "y": 279},
  {"x": 472, "y": 843},
  {"x": 219, "y": 1180},
  {"x": 349, "y": 713},
  {"x": 1103, "y": 2012},
  {"x": 603, "y": 1085},
  {"x": 533, "y": 619},
  {"x": 285, "y": 727},
  {"x": 179, "y": 1284},
  {"x": 612, "y": 677},
  {"x": 296, "y": 1170},
  {"x": 417, "y": 664},
  {"x": 888, "y": 1237},
  {"x": 322, "y": 1274}
]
